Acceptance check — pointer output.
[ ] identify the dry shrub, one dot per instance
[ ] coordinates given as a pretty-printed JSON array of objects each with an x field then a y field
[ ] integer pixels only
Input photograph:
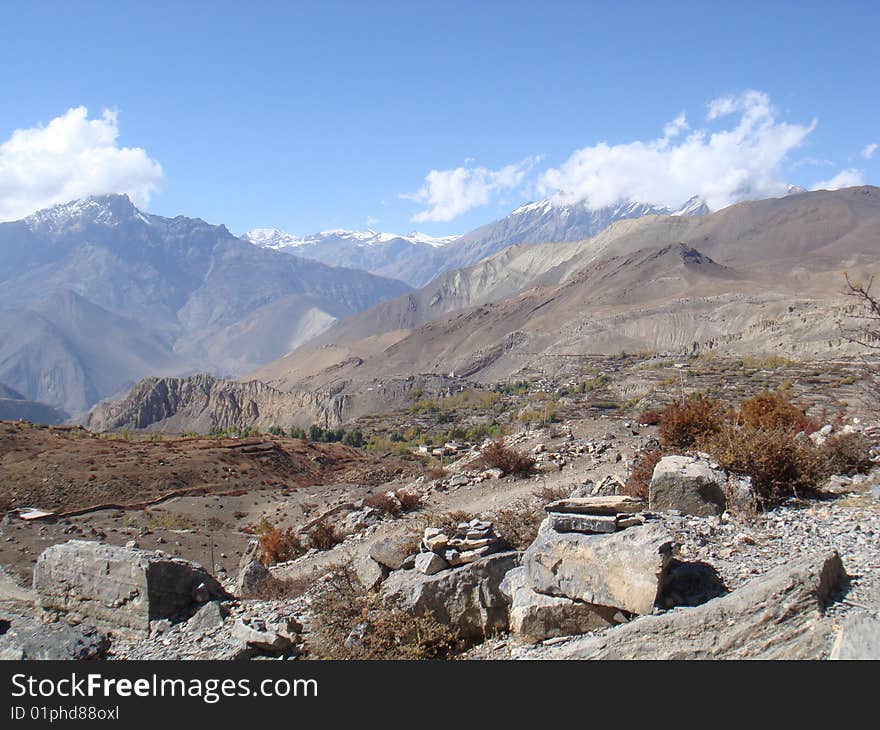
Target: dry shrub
[
  {"x": 845, "y": 453},
  {"x": 553, "y": 493},
  {"x": 639, "y": 478},
  {"x": 278, "y": 545},
  {"x": 651, "y": 417},
  {"x": 323, "y": 536},
  {"x": 353, "y": 623},
  {"x": 394, "y": 503},
  {"x": 509, "y": 460},
  {"x": 409, "y": 500},
  {"x": 436, "y": 472},
  {"x": 774, "y": 412},
  {"x": 780, "y": 463},
  {"x": 384, "y": 502},
  {"x": 518, "y": 523},
  {"x": 683, "y": 426}
]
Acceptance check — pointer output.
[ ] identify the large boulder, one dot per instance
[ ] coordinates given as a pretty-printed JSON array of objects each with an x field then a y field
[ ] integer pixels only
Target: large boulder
[
  {"x": 467, "y": 598},
  {"x": 622, "y": 570},
  {"x": 689, "y": 485},
  {"x": 775, "y": 616},
  {"x": 118, "y": 589},
  {"x": 535, "y": 617}
]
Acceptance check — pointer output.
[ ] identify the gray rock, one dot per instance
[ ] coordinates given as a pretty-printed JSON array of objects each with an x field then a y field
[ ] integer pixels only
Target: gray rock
[
  {"x": 623, "y": 569},
  {"x": 858, "y": 638},
  {"x": 392, "y": 552},
  {"x": 430, "y": 563},
  {"x": 251, "y": 579},
  {"x": 255, "y": 633},
  {"x": 534, "y": 617},
  {"x": 29, "y": 639},
  {"x": 467, "y": 598},
  {"x": 209, "y": 616},
  {"x": 116, "y": 589},
  {"x": 369, "y": 572},
  {"x": 689, "y": 485},
  {"x": 775, "y": 616}
]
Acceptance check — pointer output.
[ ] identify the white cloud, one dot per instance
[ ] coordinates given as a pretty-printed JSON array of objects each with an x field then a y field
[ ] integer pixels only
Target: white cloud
[
  {"x": 69, "y": 158},
  {"x": 843, "y": 179},
  {"x": 869, "y": 150},
  {"x": 676, "y": 126},
  {"x": 450, "y": 193},
  {"x": 743, "y": 160}
]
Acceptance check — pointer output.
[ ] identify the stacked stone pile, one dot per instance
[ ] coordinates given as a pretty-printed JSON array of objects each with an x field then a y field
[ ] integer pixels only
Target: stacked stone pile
[{"x": 470, "y": 542}]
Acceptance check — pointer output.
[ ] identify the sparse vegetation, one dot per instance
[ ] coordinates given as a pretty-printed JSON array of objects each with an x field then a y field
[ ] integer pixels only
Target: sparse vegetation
[
  {"x": 278, "y": 545},
  {"x": 639, "y": 478},
  {"x": 353, "y": 623},
  {"x": 518, "y": 523},
  {"x": 765, "y": 437},
  {"x": 498, "y": 456},
  {"x": 323, "y": 535}
]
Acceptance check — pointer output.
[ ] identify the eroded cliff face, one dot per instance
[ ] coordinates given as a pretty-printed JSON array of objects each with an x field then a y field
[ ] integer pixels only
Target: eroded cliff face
[{"x": 202, "y": 402}]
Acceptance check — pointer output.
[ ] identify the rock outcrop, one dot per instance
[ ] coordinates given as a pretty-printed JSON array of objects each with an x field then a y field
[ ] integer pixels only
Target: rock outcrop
[
  {"x": 775, "y": 616},
  {"x": 624, "y": 570},
  {"x": 467, "y": 598},
  {"x": 118, "y": 589}
]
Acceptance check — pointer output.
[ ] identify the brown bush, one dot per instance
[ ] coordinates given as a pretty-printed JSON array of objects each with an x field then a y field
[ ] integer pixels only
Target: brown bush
[
  {"x": 510, "y": 461},
  {"x": 639, "y": 478},
  {"x": 518, "y": 523},
  {"x": 278, "y": 545},
  {"x": 353, "y": 623},
  {"x": 323, "y": 536},
  {"x": 384, "y": 502},
  {"x": 409, "y": 499},
  {"x": 780, "y": 463},
  {"x": 436, "y": 472},
  {"x": 845, "y": 453},
  {"x": 685, "y": 426},
  {"x": 651, "y": 417},
  {"x": 774, "y": 411},
  {"x": 553, "y": 493},
  {"x": 404, "y": 500},
  {"x": 278, "y": 589}
]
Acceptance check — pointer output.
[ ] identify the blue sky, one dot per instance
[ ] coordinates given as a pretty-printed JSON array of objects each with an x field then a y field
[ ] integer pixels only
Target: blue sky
[{"x": 308, "y": 116}]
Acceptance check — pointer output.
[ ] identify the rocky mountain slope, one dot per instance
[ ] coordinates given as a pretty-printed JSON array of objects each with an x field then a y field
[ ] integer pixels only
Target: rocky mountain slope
[
  {"x": 758, "y": 278},
  {"x": 96, "y": 294},
  {"x": 416, "y": 258},
  {"x": 765, "y": 275}
]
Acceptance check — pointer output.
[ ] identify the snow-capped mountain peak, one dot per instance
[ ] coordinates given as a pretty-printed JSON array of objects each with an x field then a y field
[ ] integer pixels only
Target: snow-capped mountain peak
[
  {"x": 108, "y": 210},
  {"x": 278, "y": 239}
]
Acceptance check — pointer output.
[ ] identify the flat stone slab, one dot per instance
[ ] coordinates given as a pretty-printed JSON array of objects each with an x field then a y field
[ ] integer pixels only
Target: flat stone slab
[
  {"x": 588, "y": 524},
  {"x": 597, "y": 505}
]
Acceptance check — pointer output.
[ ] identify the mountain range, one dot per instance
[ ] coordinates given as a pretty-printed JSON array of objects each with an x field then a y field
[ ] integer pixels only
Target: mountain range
[
  {"x": 96, "y": 294},
  {"x": 757, "y": 278},
  {"x": 416, "y": 258}
]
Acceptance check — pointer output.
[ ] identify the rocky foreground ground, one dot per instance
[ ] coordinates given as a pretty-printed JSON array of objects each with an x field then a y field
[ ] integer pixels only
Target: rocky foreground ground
[{"x": 684, "y": 574}]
